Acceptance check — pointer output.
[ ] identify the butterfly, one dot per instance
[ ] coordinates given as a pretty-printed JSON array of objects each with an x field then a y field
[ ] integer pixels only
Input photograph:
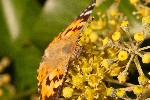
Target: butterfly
[{"x": 59, "y": 53}]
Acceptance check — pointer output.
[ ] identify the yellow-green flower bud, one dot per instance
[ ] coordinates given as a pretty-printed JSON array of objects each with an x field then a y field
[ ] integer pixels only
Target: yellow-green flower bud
[
  {"x": 139, "y": 36},
  {"x": 115, "y": 71},
  {"x": 116, "y": 36},
  {"x": 121, "y": 93},
  {"x": 89, "y": 93},
  {"x": 123, "y": 55},
  {"x": 137, "y": 89},
  {"x": 122, "y": 77},
  {"x": 67, "y": 92},
  {"x": 86, "y": 69},
  {"x": 111, "y": 92},
  {"x": 142, "y": 80},
  {"x": 146, "y": 58},
  {"x": 77, "y": 81},
  {"x": 94, "y": 80}
]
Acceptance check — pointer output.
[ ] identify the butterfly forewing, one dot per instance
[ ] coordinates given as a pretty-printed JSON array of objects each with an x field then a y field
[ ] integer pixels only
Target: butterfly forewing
[{"x": 57, "y": 56}]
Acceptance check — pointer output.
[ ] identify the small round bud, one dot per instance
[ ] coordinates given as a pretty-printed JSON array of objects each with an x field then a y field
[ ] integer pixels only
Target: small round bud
[
  {"x": 67, "y": 92},
  {"x": 89, "y": 93},
  {"x": 146, "y": 58},
  {"x": 137, "y": 89},
  {"x": 111, "y": 92},
  {"x": 139, "y": 36},
  {"x": 94, "y": 80},
  {"x": 123, "y": 55},
  {"x": 142, "y": 80},
  {"x": 121, "y": 93},
  {"x": 77, "y": 81},
  {"x": 116, "y": 36},
  {"x": 122, "y": 77}
]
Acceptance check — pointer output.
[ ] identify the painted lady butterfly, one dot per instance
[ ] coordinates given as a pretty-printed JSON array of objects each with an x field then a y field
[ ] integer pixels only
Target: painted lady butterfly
[{"x": 60, "y": 52}]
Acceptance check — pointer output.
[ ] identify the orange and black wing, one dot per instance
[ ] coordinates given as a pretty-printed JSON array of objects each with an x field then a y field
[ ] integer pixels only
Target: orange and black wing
[{"x": 52, "y": 69}]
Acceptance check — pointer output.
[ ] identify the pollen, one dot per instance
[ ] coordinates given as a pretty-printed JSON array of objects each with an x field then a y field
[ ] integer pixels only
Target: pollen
[
  {"x": 139, "y": 36},
  {"x": 116, "y": 36},
  {"x": 123, "y": 55}
]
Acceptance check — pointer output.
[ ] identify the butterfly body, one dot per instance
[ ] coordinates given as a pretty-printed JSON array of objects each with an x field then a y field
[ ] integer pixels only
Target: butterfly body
[{"x": 60, "y": 52}]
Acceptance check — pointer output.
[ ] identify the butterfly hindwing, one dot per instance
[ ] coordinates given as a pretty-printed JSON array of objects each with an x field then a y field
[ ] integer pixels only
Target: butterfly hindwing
[{"x": 57, "y": 56}]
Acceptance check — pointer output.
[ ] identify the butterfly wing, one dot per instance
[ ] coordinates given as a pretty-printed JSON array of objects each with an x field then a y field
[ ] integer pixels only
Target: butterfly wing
[
  {"x": 75, "y": 27},
  {"x": 52, "y": 69}
]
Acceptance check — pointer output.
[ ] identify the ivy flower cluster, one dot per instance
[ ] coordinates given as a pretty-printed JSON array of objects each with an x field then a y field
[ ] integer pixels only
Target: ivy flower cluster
[
  {"x": 106, "y": 67},
  {"x": 128, "y": 53}
]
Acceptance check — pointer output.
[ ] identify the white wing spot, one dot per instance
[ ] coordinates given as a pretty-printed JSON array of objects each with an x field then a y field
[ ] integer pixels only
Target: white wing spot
[
  {"x": 93, "y": 4},
  {"x": 82, "y": 14},
  {"x": 89, "y": 6},
  {"x": 87, "y": 13},
  {"x": 85, "y": 10}
]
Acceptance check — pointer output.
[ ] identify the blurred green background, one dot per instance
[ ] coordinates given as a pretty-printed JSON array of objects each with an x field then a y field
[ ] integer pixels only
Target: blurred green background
[{"x": 27, "y": 27}]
